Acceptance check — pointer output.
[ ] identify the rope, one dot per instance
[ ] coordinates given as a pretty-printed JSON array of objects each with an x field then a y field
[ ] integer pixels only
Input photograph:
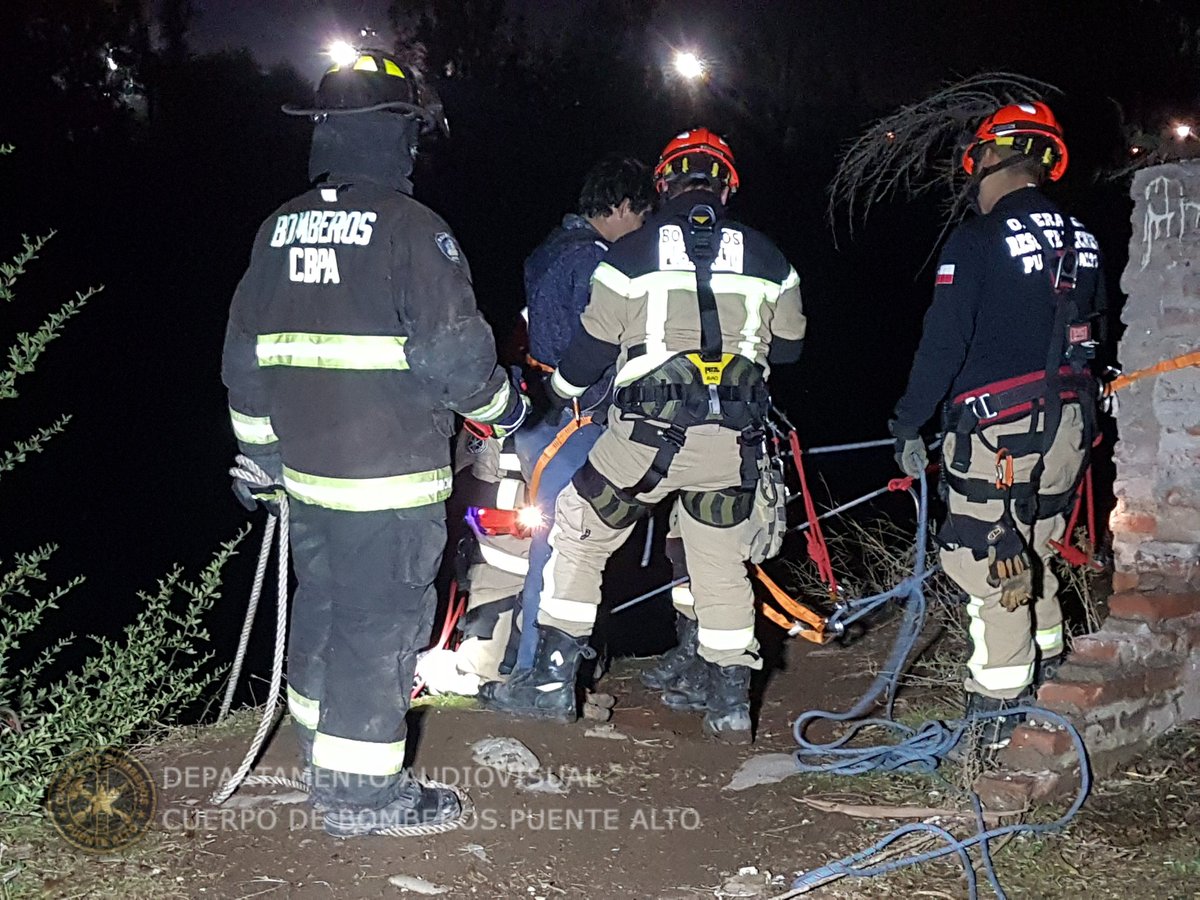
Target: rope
[
  {"x": 248, "y": 471},
  {"x": 917, "y": 749},
  {"x": 252, "y": 474},
  {"x": 818, "y": 550},
  {"x": 239, "y": 658}
]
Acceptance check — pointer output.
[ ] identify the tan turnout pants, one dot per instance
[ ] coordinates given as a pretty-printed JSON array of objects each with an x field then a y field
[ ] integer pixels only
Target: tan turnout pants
[
  {"x": 1005, "y": 645},
  {"x": 581, "y": 542}
]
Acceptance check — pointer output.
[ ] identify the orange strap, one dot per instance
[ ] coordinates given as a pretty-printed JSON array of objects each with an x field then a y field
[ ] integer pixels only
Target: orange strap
[
  {"x": 555, "y": 445},
  {"x": 1167, "y": 365},
  {"x": 815, "y": 622}
]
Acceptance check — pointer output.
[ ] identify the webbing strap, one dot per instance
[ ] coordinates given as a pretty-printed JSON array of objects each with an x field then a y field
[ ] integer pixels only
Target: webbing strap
[
  {"x": 669, "y": 441},
  {"x": 535, "y": 479},
  {"x": 701, "y": 243}
]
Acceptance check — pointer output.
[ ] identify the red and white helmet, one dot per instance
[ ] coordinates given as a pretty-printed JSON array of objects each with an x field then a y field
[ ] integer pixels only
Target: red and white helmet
[
  {"x": 1030, "y": 129},
  {"x": 699, "y": 151}
]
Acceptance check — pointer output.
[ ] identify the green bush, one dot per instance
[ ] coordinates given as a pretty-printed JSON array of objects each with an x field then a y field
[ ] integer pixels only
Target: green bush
[{"x": 123, "y": 688}]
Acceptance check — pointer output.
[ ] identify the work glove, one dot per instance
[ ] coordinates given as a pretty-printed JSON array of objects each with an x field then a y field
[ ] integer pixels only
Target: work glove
[
  {"x": 251, "y": 494},
  {"x": 910, "y": 449},
  {"x": 1008, "y": 566}
]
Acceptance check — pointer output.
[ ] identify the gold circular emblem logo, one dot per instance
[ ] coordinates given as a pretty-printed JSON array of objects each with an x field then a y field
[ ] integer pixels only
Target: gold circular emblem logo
[{"x": 101, "y": 800}]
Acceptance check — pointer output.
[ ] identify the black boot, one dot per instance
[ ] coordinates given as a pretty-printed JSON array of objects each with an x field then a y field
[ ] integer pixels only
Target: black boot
[
  {"x": 415, "y": 804},
  {"x": 994, "y": 733},
  {"x": 546, "y": 691},
  {"x": 672, "y": 663},
  {"x": 1046, "y": 669},
  {"x": 689, "y": 689},
  {"x": 728, "y": 716}
]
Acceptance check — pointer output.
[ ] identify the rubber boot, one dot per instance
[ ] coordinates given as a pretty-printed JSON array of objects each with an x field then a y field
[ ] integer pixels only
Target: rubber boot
[
  {"x": 690, "y": 687},
  {"x": 728, "y": 716},
  {"x": 672, "y": 663},
  {"x": 415, "y": 804},
  {"x": 546, "y": 691}
]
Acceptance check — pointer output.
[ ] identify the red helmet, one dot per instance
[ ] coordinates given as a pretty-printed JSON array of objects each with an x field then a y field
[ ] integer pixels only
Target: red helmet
[
  {"x": 699, "y": 151},
  {"x": 1030, "y": 129}
]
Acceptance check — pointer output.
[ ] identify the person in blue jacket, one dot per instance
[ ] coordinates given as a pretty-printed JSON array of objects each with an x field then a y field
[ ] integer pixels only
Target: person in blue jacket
[{"x": 616, "y": 196}]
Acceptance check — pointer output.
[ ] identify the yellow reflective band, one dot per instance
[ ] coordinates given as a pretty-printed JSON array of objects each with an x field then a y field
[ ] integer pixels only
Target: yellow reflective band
[
  {"x": 975, "y": 627},
  {"x": 494, "y": 408},
  {"x": 1003, "y": 678},
  {"x": 365, "y": 64},
  {"x": 306, "y": 712},
  {"x": 565, "y": 388},
  {"x": 748, "y": 346},
  {"x": 656, "y": 322},
  {"x": 509, "y": 493},
  {"x": 726, "y": 638},
  {"x": 392, "y": 69},
  {"x": 1049, "y": 638},
  {"x": 358, "y": 757},
  {"x": 505, "y": 562},
  {"x": 574, "y": 611},
  {"x": 363, "y": 352},
  {"x": 681, "y": 595},
  {"x": 252, "y": 429},
  {"x": 369, "y": 494},
  {"x": 685, "y": 280}
]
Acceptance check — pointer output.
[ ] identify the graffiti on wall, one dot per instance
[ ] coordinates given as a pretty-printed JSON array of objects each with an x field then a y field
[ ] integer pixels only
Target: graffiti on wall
[{"x": 1166, "y": 205}]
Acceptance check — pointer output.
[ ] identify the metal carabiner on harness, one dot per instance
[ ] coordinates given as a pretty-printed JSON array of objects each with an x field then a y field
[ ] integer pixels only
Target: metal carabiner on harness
[{"x": 1004, "y": 469}]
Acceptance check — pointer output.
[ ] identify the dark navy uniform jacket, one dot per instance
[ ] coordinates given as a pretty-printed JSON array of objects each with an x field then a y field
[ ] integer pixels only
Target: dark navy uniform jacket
[
  {"x": 558, "y": 276},
  {"x": 993, "y": 306},
  {"x": 353, "y": 340}
]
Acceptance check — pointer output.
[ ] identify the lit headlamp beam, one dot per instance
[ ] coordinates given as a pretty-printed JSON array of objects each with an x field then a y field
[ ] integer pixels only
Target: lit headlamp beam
[
  {"x": 688, "y": 65},
  {"x": 342, "y": 53}
]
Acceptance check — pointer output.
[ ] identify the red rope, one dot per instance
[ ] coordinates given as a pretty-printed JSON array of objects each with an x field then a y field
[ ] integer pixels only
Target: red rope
[
  {"x": 818, "y": 549},
  {"x": 455, "y": 607}
]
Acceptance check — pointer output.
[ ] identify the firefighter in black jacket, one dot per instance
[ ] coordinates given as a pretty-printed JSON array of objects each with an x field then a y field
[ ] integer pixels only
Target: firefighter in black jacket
[
  {"x": 353, "y": 341},
  {"x": 1007, "y": 343}
]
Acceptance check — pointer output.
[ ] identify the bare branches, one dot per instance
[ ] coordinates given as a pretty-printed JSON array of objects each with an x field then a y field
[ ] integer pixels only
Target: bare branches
[{"x": 908, "y": 153}]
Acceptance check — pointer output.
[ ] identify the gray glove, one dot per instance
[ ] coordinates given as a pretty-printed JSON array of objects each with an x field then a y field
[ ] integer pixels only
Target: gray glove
[{"x": 910, "y": 449}]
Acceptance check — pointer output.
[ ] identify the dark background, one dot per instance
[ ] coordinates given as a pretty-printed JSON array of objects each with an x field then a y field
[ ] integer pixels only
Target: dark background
[{"x": 157, "y": 175}]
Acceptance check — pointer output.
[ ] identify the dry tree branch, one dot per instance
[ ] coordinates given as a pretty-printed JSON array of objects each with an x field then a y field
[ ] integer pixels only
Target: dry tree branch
[{"x": 906, "y": 153}]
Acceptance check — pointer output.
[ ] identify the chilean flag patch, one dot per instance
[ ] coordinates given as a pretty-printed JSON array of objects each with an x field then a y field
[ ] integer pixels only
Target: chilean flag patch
[{"x": 945, "y": 275}]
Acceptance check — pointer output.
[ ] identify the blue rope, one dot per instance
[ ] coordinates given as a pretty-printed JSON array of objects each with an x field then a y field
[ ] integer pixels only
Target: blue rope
[{"x": 915, "y": 749}]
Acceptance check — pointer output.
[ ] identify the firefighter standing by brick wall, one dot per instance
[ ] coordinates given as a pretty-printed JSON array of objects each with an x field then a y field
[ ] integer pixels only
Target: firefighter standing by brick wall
[
  {"x": 353, "y": 341},
  {"x": 689, "y": 308},
  {"x": 1007, "y": 342}
]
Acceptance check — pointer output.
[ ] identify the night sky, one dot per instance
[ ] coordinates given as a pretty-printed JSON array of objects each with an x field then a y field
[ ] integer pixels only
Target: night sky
[{"x": 163, "y": 210}]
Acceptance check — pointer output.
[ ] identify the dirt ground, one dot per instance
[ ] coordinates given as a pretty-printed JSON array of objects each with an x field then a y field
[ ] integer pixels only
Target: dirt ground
[{"x": 645, "y": 816}]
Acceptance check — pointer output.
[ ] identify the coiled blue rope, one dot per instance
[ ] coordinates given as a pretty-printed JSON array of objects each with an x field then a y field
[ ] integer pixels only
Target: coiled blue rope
[{"x": 916, "y": 749}]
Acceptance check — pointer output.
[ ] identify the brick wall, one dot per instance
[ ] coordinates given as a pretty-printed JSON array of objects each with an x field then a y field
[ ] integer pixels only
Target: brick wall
[
  {"x": 1156, "y": 523},
  {"x": 1139, "y": 674}
]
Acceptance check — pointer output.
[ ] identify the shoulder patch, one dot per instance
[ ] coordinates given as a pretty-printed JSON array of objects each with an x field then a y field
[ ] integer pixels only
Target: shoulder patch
[
  {"x": 945, "y": 274},
  {"x": 446, "y": 244}
]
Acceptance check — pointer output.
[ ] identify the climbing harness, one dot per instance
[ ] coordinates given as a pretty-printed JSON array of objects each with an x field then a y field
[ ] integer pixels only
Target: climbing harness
[{"x": 249, "y": 471}]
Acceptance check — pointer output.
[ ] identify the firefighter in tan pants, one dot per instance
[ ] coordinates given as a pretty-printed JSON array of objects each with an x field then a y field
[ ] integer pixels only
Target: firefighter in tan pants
[
  {"x": 689, "y": 307},
  {"x": 1008, "y": 339}
]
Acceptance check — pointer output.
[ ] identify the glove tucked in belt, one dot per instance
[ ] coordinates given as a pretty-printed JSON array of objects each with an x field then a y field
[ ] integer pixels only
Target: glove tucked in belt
[{"x": 1008, "y": 565}]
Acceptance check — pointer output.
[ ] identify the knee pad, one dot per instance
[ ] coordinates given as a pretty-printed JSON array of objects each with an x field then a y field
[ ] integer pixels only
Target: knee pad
[
  {"x": 721, "y": 509},
  {"x": 615, "y": 507}
]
